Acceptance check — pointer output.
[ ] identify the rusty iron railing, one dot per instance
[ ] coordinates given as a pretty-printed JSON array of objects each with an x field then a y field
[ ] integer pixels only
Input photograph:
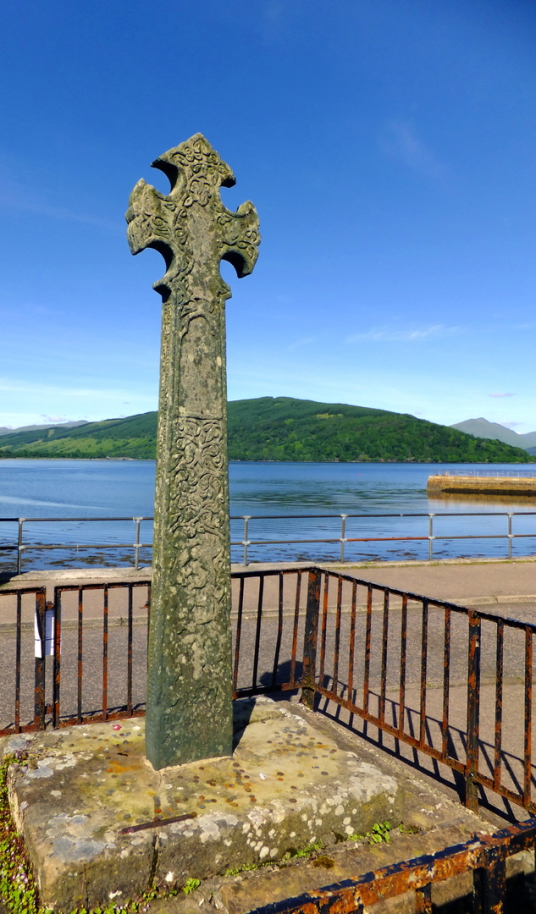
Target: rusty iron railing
[
  {"x": 56, "y": 664},
  {"x": 444, "y": 680},
  {"x": 453, "y": 683},
  {"x": 483, "y": 856}
]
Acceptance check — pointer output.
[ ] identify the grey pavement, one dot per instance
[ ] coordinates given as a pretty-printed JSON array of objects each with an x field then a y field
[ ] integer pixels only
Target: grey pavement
[{"x": 470, "y": 582}]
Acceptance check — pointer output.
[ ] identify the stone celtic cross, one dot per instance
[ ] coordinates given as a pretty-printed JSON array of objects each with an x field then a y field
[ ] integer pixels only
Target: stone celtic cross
[{"x": 189, "y": 698}]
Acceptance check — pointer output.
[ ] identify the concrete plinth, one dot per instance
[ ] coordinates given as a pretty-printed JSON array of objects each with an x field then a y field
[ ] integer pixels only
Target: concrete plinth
[{"x": 286, "y": 786}]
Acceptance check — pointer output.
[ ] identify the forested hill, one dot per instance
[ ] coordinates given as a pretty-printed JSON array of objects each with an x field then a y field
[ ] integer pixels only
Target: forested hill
[{"x": 279, "y": 428}]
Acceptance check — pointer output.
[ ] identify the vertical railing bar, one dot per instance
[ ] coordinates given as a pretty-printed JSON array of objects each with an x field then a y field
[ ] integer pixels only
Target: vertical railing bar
[
  {"x": 351, "y": 652},
  {"x": 473, "y": 710},
  {"x": 40, "y": 610},
  {"x": 295, "y": 629},
  {"x": 424, "y": 665},
  {"x": 527, "y": 759},
  {"x": 238, "y": 635},
  {"x": 323, "y": 638},
  {"x": 385, "y": 642},
  {"x": 492, "y": 882},
  {"x": 310, "y": 638},
  {"x": 403, "y": 663},
  {"x": 343, "y": 535},
  {"x": 446, "y": 684},
  {"x": 258, "y": 633},
  {"x": 366, "y": 671},
  {"x": 499, "y": 666},
  {"x": 423, "y": 899},
  {"x": 148, "y": 613},
  {"x": 18, "y": 646},
  {"x": 56, "y": 678},
  {"x": 279, "y": 630},
  {"x": 337, "y": 639},
  {"x": 509, "y": 536},
  {"x": 245, "y": 542},
  {"x": 19, "y": 546},
  {"x": 430, "y": 537},
  {"x": 80, "y": 657},
  {"x": 129, "y": 650},
  {"x": 137, "y": 521},
  {"x": 105, "y": 653}
]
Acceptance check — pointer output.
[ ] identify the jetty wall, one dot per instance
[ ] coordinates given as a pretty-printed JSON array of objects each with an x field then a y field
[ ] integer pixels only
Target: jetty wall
[{"x": 482, "y": 485}]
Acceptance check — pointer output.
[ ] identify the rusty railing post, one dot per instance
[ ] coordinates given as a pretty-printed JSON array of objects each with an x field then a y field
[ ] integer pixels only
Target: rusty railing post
[
  {"x": 489, "y": 882},
  {"x": 473, "y": 711},
  {"x": 40, "y": 651},
  {"x": 310, "y": 638},
  {"x": 55, "y": 607}
]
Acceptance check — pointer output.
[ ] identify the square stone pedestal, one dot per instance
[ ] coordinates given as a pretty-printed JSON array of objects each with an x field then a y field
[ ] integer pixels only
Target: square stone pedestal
[{"x": 101, "y": 824}]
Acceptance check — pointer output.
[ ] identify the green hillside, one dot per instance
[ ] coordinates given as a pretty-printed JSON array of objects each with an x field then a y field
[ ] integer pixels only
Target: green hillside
[
  {"x": 279, "y": 428},
  {"x": 131, "y": 437}
]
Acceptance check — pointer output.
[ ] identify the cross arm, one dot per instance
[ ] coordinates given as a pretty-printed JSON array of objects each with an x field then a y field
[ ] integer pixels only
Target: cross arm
[{"x": 240, "y": 238}]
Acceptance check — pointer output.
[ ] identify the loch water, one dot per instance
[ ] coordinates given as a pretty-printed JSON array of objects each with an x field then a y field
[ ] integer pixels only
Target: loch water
[{"x": 81, "y": 494}]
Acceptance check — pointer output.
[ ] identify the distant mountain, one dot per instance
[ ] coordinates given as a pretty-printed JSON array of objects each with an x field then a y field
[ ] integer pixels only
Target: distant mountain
[
  {"x": 279, "y": 428},
  {"x": 484, "y": 429},
  {"x": 4, "y": 430}
]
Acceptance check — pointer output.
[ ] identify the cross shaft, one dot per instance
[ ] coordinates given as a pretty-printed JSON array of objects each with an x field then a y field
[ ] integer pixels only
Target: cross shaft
[{"x": 189, "y": 686}]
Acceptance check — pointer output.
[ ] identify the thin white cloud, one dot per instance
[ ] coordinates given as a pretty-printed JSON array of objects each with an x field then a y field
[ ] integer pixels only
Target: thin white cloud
[
  {"x": 400, "y": 141},
  {"x": 502, "y": 395},
  {"x": 41, "y": 391},
  {"x": 410, "y": 335},
  {"x": 16, "y": 195},
  {"x": 305, "y": 341},
  {"x": 512, "y": 425}
]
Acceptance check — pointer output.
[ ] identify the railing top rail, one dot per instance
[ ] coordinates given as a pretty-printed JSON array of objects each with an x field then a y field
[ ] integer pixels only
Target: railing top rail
[
  {"x": 418, "y": 598},
  {"x": 108, "y": 585},
  {"x": 416, "y": 873},
  {"x": 70, "y": 519},
  {"x": 135, "y": 518},
  {"x": 13, "y": 591},
  {"x": 397, "y": 514}
]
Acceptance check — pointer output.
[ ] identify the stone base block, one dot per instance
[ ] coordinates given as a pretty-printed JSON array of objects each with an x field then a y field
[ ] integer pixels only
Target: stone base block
[{"x": 101, "y": 824}]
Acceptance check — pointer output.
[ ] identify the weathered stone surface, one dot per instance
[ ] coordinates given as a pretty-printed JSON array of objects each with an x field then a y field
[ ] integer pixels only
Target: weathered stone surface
[
  {"x": 287, "y": 785},
  {"x": 189, "y": 713}
]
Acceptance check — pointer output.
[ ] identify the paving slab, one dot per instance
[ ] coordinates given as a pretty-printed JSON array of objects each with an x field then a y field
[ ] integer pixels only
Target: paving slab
[{"x": 98, "y": 820}]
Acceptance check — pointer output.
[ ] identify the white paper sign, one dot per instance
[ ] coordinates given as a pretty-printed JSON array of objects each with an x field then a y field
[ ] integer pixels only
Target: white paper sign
[{"x": 49, "y": 635}]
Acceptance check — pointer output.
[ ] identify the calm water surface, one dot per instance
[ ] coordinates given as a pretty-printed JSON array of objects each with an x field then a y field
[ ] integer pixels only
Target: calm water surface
[{"x": 72, "y": 489}]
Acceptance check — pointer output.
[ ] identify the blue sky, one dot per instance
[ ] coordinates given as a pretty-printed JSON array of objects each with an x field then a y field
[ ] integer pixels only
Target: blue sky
[{"x": 390, "y": 150}]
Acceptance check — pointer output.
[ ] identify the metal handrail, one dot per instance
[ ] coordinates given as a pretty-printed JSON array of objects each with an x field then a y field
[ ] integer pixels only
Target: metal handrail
[
  {"x": 245, "y": 542},
  {"x": 20, "y": 546}
]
